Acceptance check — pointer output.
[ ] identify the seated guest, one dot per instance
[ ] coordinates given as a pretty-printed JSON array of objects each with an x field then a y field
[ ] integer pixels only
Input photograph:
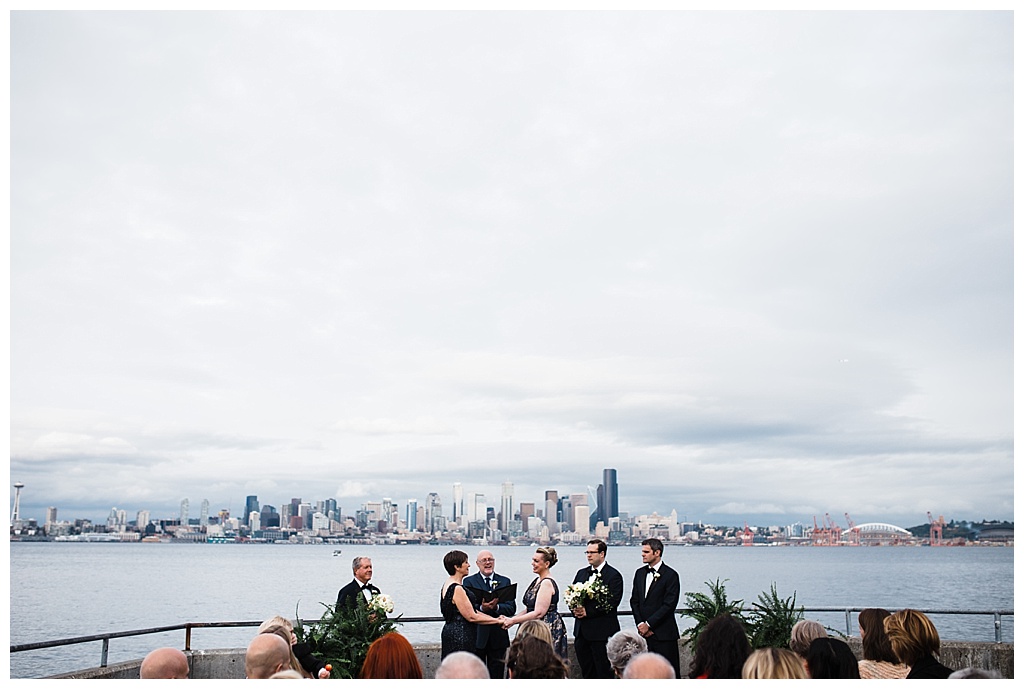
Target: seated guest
[
  {"x": 804, "y": 632},
  {"x": 721, "y": 650},
  {"x": 915, "y": 641},
  {"x": 288, "y": 674},
  {"x": 536, "y": 628},
  {"x": 267, "y": 654},
  {"x": 164, "y": 663},
  {"x": 880, "y": 661},
  {"x": 530, "y": 657},
  {"x": 774, "y": 663},
  {"x": 391, "y": 657},
  {"x": 462, "y": 665},
  {"x": 621, "y": 648},
  {"x": 649, "y": 666},
  {"x": 301, "y": 654},
  {"x": 828, "y": 658}
]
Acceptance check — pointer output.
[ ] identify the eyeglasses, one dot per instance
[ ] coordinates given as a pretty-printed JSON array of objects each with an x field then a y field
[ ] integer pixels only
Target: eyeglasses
[{"x": 486, "y": 559}]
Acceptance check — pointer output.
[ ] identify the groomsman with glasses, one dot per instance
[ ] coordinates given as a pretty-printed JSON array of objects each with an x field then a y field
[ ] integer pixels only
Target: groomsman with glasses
[
  {"x": 596, "y": 623},
  {"x": 653, "y": 602}
]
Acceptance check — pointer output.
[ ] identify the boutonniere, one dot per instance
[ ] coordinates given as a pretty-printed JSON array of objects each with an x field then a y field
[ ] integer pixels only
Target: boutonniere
[
  {"x": 494, "y": 584},
  {"x": 657, "y": 575}
]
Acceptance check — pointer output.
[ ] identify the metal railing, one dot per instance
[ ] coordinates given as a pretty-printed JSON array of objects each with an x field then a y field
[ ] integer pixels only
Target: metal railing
[{"x": 189, "y": 626}]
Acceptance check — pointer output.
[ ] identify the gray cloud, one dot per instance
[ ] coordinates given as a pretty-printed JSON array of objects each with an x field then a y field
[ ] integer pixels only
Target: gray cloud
[{"x": 756, "y": 261}]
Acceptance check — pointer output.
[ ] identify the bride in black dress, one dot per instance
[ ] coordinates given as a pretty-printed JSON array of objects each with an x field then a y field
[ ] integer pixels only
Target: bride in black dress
[{"x": 460, "y": 619}]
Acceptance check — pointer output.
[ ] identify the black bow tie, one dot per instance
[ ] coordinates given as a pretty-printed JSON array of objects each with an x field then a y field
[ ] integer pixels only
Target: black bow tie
[
  {"x": 366, "y": 586},
  {"x": 651, "y": 570},
  {"x": 595, "y": 570}
]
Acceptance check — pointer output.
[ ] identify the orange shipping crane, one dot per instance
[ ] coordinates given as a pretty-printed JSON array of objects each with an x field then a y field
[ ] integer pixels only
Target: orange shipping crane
[
  {"x": 935, "y": 530},
  {"x": 835, "y": 532}
]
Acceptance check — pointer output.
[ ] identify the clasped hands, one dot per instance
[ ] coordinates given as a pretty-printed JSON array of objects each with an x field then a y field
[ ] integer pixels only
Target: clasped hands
[{"x": 645, "y": 630}]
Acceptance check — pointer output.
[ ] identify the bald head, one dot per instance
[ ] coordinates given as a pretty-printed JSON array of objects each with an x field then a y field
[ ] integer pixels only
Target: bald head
[
  {"x": 267, "y": 654},
  {"x": 164, "y": 663},
  {"x": 462, "y": 665},
  {"x": 648, "y": 666}
]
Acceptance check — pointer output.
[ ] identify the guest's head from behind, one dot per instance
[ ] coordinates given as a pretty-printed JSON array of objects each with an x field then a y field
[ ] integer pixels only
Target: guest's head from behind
[
  {"x": 774, "y": 663},
  {"x": 530, "y": 657},
  {"x": 912, "y": 635},
  {"x": 391, "y": 657},
  {"x": 873, "y": 637},
  {"x": 287, "y": 674},
  {"x": 537, "y": 628},
  {"x": 828, "y": 658},
  {"x": 621, "y": 648},
  {"x": 164, "y": 663},
  {"x": 362, "y": 569},
  {"x": 648, "y": 666},
  {"x": 549, "y": 556},
  {"x": 455, "y": 560},
  {"x": 803, "y": 633},
  {"x": 285, "y": 631},
  {"x": 721, "y": 650},
  {"x": 462, "y": 665},
  {"x": 266, "y": 655}
]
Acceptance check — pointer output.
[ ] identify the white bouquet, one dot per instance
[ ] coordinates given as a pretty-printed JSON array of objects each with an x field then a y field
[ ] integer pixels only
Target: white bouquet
[
  {"x": 592, "y": 590},
  {"x": 382, "y": 603}
]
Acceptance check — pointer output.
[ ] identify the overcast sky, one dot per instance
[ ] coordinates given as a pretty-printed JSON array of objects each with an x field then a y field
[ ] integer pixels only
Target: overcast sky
[{"x": 760, "y": 263}]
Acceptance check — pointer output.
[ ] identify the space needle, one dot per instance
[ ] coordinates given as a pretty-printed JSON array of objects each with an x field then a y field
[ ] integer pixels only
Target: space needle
[{"x": 15, "y": 516}]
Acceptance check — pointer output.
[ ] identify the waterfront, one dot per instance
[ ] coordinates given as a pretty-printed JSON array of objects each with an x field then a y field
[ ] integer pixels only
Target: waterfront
[{"x": 74, "y": 589}]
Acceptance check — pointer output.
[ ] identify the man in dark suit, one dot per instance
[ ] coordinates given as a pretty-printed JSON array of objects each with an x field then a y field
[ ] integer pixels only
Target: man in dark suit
[
  {"x": 595, "y": 624},
  {"x": 491, "y": 639},
  {"x": 653, "y": 602},
  {"x": 360, "y": 586}
]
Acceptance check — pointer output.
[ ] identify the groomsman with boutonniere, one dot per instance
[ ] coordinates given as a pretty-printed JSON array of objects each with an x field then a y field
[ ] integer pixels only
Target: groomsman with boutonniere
[
  {"x": 654, "y": 600},
  {"x": 598, "y": 588},
  {"x": 360, "y": 586},
  {"x": 491, "y": 640}
]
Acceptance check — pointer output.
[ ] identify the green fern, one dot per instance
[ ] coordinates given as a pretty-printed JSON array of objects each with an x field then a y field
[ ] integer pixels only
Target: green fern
[
  {"x": 703, "y": 608},
  {"x": 342, "y": 636},
  {"x": 772, "y": 619}
]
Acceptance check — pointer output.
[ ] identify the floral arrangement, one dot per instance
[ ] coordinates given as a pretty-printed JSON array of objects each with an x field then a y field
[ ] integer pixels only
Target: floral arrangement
[
  {"x": 593, "y": 590},
  {"x": 381, "y": 603}
]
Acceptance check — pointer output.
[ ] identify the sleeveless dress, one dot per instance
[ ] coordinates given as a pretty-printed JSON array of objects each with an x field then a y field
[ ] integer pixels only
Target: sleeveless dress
[
  {"x": 551, "y": 617},
  {"x": 458, "y": 634}
]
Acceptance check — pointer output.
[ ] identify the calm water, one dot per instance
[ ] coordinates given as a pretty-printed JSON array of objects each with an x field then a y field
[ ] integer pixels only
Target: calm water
[{"x": 62, "y": 590}]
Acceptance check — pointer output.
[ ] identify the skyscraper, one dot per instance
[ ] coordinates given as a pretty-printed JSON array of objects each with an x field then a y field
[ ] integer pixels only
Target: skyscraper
[
  {"x": 183, "y": 519},
  {"x": 458, "y": 504},
  {"x": 252, "y": 504},
  {"x": 507, "y": 493},
  {"x": 410, "y": 515},
  {"x": 610, "y": 504}
]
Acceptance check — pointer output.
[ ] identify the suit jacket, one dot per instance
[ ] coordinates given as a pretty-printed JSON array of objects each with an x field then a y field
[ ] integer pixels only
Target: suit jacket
[
  {"x": 599, "y": 624},
  {"x": 491, "y": 635},
  {"x": 658, "y": 607},
  {"x": 351, "y": 592}
]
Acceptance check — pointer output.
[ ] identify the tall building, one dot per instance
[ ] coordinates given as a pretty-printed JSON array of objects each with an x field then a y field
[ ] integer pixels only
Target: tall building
[
  {"x": 436, "y": 521},
  {"x": 141, "y": 520},
  {"x": 183, "y": 518},
  {"x": 458, "y": 503},
  {"x": 331, "y": 509},
  {"x": 551, "y": 510},
  {"x": 269, "y": 518},
  {"x": 610, "y": 504},
  {"x": 252, "y": 504},
  {"x": 204, "y": 513},
  {"x": 575, "y": 501},
  {"x": 16, "y": 512},
  {"x": 51, "y": 518},
  {"x": 507, "y": 494},
  {"x": 410, "y": 515},
  {"x": 479, "y": 508}
]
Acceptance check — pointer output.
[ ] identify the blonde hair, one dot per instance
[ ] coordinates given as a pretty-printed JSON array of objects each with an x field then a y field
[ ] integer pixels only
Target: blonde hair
[
  {"x": 279, "y": 621},
  {"x": 284, "y": 629},
  {"x": 912, "y": 634},
  {"x": 773, "y": 663},
  {"x": 549, "y": 554},
  {"x": 536, "y": 628}
]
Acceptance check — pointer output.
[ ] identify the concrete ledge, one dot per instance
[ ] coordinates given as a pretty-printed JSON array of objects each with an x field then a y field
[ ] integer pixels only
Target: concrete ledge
[{"x": 229, "y": 663}]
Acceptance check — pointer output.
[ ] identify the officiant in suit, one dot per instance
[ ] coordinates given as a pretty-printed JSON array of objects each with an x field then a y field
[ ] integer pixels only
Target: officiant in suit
[
  {"x": 491, "y": 639},
  {"x": 594, "y": 624},
  {"x": 654, "y": 600},
  {"x": 362, "y": 571}
]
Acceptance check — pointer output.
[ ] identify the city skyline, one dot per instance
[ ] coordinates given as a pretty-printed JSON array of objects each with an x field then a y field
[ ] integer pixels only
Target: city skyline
[{"x": 761, "y": 262}]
